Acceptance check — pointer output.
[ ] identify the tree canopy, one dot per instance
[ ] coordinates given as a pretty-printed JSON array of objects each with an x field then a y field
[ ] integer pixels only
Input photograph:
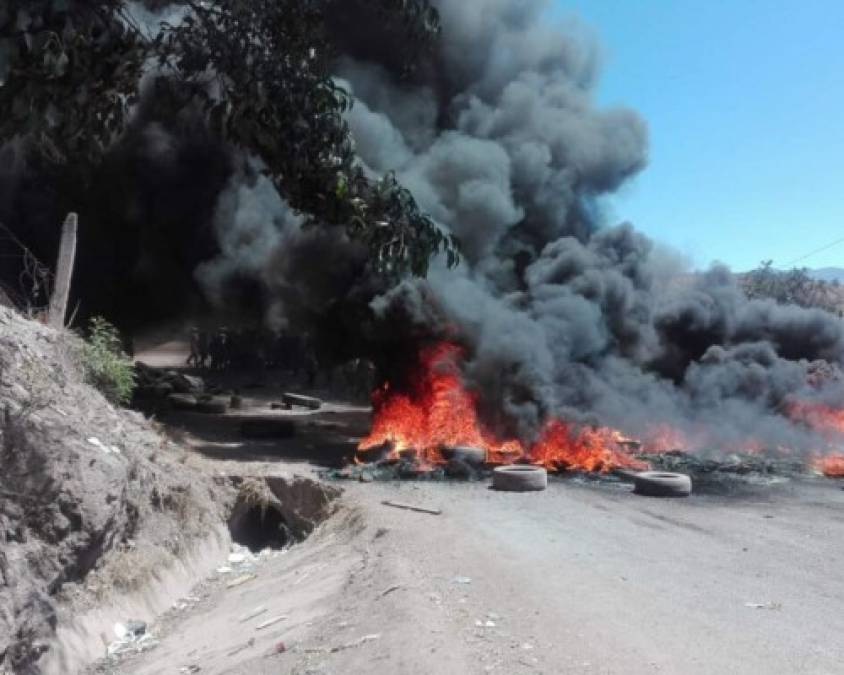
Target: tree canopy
[
  {"x": 792, "y": 287},
  {"x": 257, "y": 71}
]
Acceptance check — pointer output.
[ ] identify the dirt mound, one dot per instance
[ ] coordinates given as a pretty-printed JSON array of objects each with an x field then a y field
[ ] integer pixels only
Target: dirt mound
[{"x": 93, "y": 500}]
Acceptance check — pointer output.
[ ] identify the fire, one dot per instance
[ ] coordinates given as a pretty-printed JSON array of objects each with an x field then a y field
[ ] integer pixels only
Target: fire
[
  {"x": 663, "y": 437},
  {"x": 830, "y": 465},
  {"x": 829, "y": 423},
  {"x": 589, "y": 449},
  {"x": 439, "y": 411},
  {"x": 824, "y": 419}
]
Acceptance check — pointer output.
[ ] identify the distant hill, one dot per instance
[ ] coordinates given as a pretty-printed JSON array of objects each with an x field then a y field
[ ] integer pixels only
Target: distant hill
[
  {"x": 828, "y": 274},
  {"x": 825, "y": 291},
  {"x": 821, "y": 274}
]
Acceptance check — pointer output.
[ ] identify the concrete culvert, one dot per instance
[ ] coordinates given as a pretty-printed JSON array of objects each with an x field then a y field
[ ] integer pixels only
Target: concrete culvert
[
  {"x": 258, "y": 526},
  {"x": 662, "y": 484},
  {"x": 519, "y": 478},
  {"x": 274, "y": 511}
]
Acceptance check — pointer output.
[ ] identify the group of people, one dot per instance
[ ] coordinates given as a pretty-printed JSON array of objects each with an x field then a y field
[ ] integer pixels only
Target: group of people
[{"x": 225, "y": 348}]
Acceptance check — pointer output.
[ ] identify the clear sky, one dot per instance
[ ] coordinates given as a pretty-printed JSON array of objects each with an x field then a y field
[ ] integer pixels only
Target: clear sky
[{"x": 745, "y": 104}]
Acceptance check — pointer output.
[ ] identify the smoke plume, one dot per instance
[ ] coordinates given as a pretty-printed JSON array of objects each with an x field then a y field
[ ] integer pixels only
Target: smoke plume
[
  {"x": 499, "y": 138},
  {"x": 501, "y": 141}
]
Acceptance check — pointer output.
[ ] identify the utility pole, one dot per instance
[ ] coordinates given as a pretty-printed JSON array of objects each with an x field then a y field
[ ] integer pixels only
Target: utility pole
[{"x": 64, "y": 271}]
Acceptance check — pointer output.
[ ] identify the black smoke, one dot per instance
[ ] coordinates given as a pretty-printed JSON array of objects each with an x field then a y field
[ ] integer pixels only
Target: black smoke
[
  {"x": 144, "y": 217},
  {"x": 497, "y": 134},
  {"x": 499, "y": 138}
]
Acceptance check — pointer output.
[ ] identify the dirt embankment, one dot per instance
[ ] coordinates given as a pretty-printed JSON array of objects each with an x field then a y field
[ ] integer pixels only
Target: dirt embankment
[{"x": 97, "y": 508}]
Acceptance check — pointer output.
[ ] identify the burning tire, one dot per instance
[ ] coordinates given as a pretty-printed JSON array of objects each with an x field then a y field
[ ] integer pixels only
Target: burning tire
[
  {"x": 464, "y": 453},
  {"x": 519, "y": 478},
  {"x": 662, "y": 484}
]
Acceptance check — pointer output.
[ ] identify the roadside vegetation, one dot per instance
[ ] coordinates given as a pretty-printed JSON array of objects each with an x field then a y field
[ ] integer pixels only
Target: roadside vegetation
[
  {"x": 793, "y": 287},
  {"x": 105, "y": 365},
  {"x": 256, "y": 74}
]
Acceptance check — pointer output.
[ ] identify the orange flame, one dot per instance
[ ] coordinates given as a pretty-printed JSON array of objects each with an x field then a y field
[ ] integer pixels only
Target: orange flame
[
  {"x": 663, "y": 437},
  {"x": 441, "y": 412},
  {"x": 829, "y": 423},
  {"x": 824, "y": 419},
  {"x": 830, "y": 465},
  {"x": 437, "y": 411},
  {"x": 588, "y": 449}
]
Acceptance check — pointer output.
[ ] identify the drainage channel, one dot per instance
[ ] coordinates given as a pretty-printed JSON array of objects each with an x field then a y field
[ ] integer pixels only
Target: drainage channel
[
  {"x": 267, "y": 513},
  {"x": 275, "y": 511}
]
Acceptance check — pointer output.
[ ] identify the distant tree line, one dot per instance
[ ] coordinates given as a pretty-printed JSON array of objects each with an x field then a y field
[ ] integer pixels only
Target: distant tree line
[{"x": 793, "y": 287}]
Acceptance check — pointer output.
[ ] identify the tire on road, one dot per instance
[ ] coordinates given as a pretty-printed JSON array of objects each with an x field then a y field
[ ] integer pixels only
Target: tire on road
[
  {"x": 662, "y": 484},
  {"x": 212, "y": 407},
  {"x": 182, "y": 401},
  {"x": 519, "y": 478},
  {"x": 303, "y": 401},
  {"x": 464, "y": 453},
  {"x": 267, "y": 428}
]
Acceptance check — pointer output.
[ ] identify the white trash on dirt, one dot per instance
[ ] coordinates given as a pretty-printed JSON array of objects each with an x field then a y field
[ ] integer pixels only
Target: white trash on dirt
[
  {"x": 243, "y": 561},
  {"x": 242, "y": 579},
  {"x": 270, "y": 622},
  {"x": 132, "y": 636},
  {"x": 109, "y": 450},
  {"x": 251, "y": 615}
]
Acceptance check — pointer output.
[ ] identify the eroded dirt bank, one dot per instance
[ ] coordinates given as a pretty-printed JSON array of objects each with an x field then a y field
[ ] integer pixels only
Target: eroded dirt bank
[{"x": 97, "y": 508}]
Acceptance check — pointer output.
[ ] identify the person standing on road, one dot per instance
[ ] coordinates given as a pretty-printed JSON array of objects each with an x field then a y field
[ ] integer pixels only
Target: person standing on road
[{"x": 194, "y": 359}]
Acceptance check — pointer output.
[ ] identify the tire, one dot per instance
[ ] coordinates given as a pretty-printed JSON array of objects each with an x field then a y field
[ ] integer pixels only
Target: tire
[
  {"x": 212, "y": 407},
  {"x": 182, "y": 401},
  {"x": 303, "y": 401},
  {"x": 519, "y": 478},
  {"x": 465, "y": 453},
  {"x": 267, "y": 428},
  {"x": 662, "y": 484},
  {"x": 458, "y": 469}
]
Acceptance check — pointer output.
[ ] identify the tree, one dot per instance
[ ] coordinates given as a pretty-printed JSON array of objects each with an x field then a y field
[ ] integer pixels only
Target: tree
[
  {"x": 257, "y": 71},
  {"x": 792, "y": 287}
]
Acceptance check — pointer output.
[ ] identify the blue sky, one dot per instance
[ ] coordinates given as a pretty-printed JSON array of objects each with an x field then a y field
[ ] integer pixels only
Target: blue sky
[{"x": 745, "y": 104}]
